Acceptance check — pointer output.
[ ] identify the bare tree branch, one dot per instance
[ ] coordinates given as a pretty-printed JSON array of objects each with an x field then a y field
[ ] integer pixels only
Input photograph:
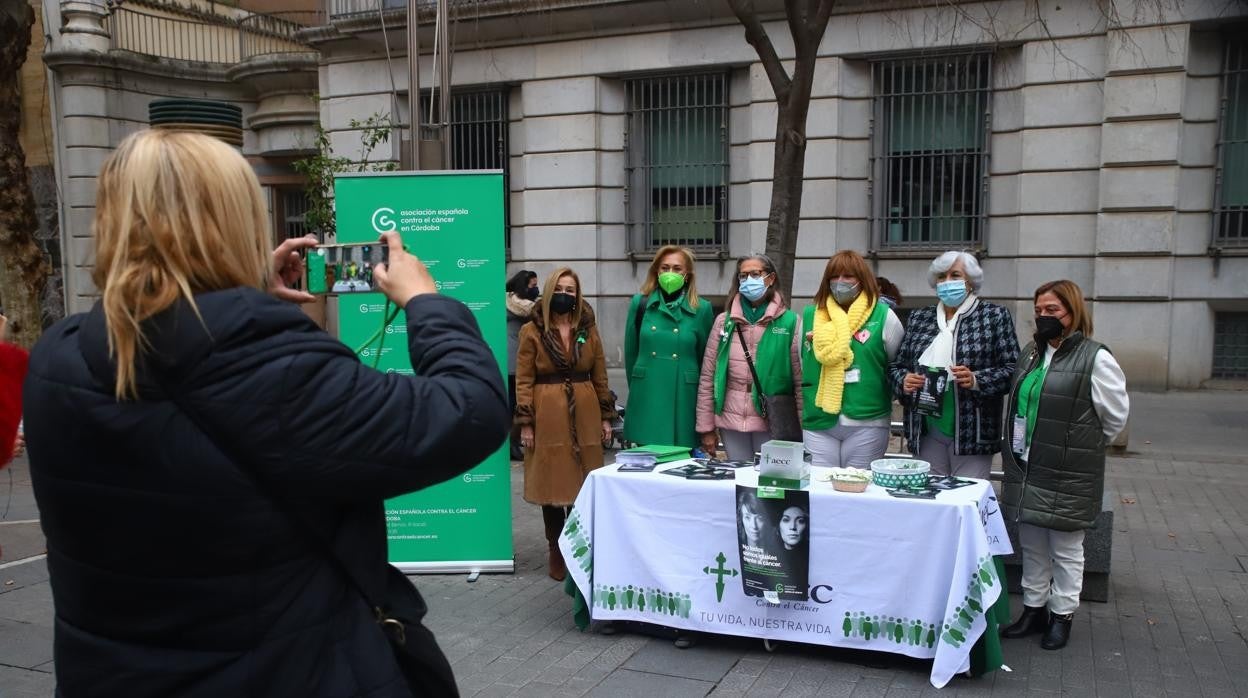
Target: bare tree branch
[{"x": 757, "y": 37}]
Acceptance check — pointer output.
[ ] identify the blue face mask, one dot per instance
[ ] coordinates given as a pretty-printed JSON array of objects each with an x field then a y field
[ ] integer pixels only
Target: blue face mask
[
  {"x": 753, "y": 289},
  {"x": 951, "y": 292}
]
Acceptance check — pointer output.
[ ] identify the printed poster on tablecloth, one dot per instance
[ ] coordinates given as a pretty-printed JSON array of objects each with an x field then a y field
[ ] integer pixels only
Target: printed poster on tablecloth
[{"x": 774, "y": 543}]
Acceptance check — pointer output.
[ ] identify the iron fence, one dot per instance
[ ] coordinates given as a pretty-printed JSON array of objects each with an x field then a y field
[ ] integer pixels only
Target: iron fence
[
  {"x": 227, "y": 41},
  {"x": 347, "y": 9},
  {"x": 676, "y": 144},
  {"x": 276, "y": 32},
  {"x": 930, "y": 151},
  {"x": 166, "y": 36},
  {"x": 1230, "y": 229}
]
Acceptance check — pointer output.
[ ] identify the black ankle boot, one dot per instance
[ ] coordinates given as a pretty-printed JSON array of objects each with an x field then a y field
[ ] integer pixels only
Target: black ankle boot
[
  {"x": 1033, "y": 620},
  {"x": 1058, "y": 633}
]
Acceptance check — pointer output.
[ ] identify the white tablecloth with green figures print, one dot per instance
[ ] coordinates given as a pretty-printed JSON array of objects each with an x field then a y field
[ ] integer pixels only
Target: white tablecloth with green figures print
[{"x": 911, "y": 576}]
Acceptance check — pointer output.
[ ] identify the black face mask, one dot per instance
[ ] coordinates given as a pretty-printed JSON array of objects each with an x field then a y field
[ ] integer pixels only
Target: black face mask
[
  {"x": 532, "y": 293},
  {"x": 562, "y": 303},
  {"x": 1047, "y": 328}
]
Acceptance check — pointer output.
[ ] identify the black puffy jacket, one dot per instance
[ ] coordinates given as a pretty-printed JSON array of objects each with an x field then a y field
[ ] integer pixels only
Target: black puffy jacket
[{"x": 172, "y": 575}]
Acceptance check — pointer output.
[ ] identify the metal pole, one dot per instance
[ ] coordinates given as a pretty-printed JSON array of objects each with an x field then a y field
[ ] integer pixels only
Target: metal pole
[
  {"x": 413, "y": 86},
  {"x": 444, "y": 82}
]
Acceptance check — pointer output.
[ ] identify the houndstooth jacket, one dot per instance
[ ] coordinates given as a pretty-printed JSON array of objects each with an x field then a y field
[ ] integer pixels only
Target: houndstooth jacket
[{"x": 984, "y": 341}]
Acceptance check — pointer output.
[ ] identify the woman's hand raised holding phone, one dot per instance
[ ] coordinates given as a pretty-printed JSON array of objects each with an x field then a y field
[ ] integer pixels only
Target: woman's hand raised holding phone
[{"x": 404, "y": 277}]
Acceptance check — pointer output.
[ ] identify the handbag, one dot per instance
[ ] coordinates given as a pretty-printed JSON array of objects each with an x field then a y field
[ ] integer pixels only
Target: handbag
[
  {"x": 398, "y": 613},
  {"x": 779, "y": 411}
]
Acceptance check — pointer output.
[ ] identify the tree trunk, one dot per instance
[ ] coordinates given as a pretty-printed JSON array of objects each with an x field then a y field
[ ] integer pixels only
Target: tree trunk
[
  {"x": 23, "y": 267},
  {"x": 789, "y": 168}
]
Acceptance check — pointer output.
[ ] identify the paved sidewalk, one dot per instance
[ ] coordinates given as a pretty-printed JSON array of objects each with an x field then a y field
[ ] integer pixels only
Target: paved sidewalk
[{"x": 1176, "y": 623}]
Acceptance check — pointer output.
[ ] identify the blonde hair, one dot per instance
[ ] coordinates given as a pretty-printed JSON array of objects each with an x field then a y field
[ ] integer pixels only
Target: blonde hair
[
  {"x": 176, "y": 214},
  {"x": 549, "y": 290},
  {"x": 652, "y": 275}
]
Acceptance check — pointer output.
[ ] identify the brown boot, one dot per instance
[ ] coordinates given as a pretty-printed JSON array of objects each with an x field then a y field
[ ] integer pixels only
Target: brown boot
[
  {"x": 553, "y": 518},
  {"x": 558, "y": 570}
]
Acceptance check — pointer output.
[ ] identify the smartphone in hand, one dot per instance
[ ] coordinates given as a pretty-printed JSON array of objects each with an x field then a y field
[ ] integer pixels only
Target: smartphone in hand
[{"x": 346, "y": 268}]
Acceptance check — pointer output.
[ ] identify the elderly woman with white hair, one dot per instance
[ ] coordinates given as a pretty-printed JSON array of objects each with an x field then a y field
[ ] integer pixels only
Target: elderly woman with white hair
[{"x": 953, "y": 370}]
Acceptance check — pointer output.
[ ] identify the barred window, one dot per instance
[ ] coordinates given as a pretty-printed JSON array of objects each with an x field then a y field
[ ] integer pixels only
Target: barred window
[
  {"x": 1230, "y": 345},
  {"x": 1229, "y": 225},
  {"x": 676, "y": 139},
  {"x": 288, "y": 207},
  {"x": 930, "y": 151},
  {"x": 478, "y": 131}
]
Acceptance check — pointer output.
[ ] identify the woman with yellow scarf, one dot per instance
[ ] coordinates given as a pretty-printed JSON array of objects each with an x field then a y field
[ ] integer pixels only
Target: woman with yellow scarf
[{"x": 850, "y": 338}]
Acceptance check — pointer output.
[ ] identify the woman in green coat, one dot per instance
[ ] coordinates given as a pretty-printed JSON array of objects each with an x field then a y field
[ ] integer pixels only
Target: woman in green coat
[{"x": 664, "y": 339}]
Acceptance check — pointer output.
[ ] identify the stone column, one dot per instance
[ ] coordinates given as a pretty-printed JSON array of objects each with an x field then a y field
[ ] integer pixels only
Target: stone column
[
  {"x": 84, "y": 25},
  {"x": 1139, "y": 197}
]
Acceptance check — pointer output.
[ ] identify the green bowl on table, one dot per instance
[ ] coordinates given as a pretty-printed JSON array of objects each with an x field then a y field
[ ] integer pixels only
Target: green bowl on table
[{"x": 900, "y": 473}]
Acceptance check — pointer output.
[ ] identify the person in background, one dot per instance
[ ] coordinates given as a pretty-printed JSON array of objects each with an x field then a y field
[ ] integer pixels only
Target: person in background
[
  {"x": 889, "y": 293},
  {"x": 849, "y": 340},
  {"x": 664, "y": 339},
  {"x": 1067, "y": 402},
  {"x": 728, "y": 399},
  {"x": 563, "y": 405},
  {"x": 13, "y": 361},
  {"x": 211, "y": 467},
  {"x": 522, "y": 293},
  {"x": 973, "y": 342}
]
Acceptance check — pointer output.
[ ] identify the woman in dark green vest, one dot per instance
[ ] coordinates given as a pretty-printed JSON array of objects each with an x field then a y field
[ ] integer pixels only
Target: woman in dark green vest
[
  {"x": 1069, "y": 400},
  {"x": 758, "y": 317},
  {"x": 849, "y": 340},
  {"x": 664, "y": 339}
]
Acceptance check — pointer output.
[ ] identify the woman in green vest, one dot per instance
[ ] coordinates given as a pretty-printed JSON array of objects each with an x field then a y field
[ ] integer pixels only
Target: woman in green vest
[
  {"x": 1069, "y": 400},
  {"x": 757, "y": 317},
  {"x": 664, "y": 339},
  {"x": 850, "y": 338}
]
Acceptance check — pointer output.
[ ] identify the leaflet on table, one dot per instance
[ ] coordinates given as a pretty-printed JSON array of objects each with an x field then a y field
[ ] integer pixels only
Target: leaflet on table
[{"x": 773, "y": 537}]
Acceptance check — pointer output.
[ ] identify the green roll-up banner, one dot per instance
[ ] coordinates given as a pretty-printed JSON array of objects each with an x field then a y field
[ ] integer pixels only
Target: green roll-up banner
[{"x": 454, "y": 222}]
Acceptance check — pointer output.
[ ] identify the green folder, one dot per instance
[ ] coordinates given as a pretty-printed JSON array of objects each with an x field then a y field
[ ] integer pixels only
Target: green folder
[{"x": 662, "y": 454}]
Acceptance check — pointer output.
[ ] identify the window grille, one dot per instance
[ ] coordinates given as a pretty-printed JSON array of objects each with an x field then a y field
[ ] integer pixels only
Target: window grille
[
  {"x": 930, "y": 151},
  {"x": 1230, "y": 229},
  {"x": 676, "y": 138},
  {"x": 478, "y": 135},
  {"x": 294, "y": 209},
  {"x": 1230, "y": 345}
]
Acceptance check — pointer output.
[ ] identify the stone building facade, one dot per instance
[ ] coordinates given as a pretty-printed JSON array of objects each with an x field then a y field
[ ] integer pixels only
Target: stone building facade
[{"x": 1100, "y": 142}]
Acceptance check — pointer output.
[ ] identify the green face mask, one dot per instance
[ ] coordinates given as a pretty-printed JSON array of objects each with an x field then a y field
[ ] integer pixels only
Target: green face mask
[{"x": 671, "y": 282}]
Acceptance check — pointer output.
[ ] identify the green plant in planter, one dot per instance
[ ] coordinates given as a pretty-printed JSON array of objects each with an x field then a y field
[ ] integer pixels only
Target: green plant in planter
[{"x": 321, "y": 167}]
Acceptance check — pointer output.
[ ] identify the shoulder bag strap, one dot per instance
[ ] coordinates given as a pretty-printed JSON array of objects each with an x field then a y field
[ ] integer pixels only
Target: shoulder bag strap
[{"x": 749, "y": 361}]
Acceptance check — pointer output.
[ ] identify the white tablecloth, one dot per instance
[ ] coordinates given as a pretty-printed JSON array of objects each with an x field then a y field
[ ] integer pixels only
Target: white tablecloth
[{"x": 910, "y": 576}]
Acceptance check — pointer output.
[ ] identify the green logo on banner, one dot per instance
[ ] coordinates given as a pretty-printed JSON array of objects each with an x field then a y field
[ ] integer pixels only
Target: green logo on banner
[
  {"x": 958, "y": 624},
  {"x": 719, "y": 573},
  {"x": 642, "y": 599},
  {"x": 908, "y": 631}
]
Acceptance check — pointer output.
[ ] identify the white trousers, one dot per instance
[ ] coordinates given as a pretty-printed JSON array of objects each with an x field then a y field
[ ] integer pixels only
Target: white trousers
[
  {"x": 938, "y": 449},
  {"x": 846, "y": 446},
  {"x": 742, "y": 445},
  {"x": 1052, "y": 568}
]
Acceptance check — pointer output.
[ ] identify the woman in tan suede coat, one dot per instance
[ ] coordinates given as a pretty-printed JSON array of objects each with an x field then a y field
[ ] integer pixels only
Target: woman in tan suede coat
[{"x": 563, "y": 406}]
